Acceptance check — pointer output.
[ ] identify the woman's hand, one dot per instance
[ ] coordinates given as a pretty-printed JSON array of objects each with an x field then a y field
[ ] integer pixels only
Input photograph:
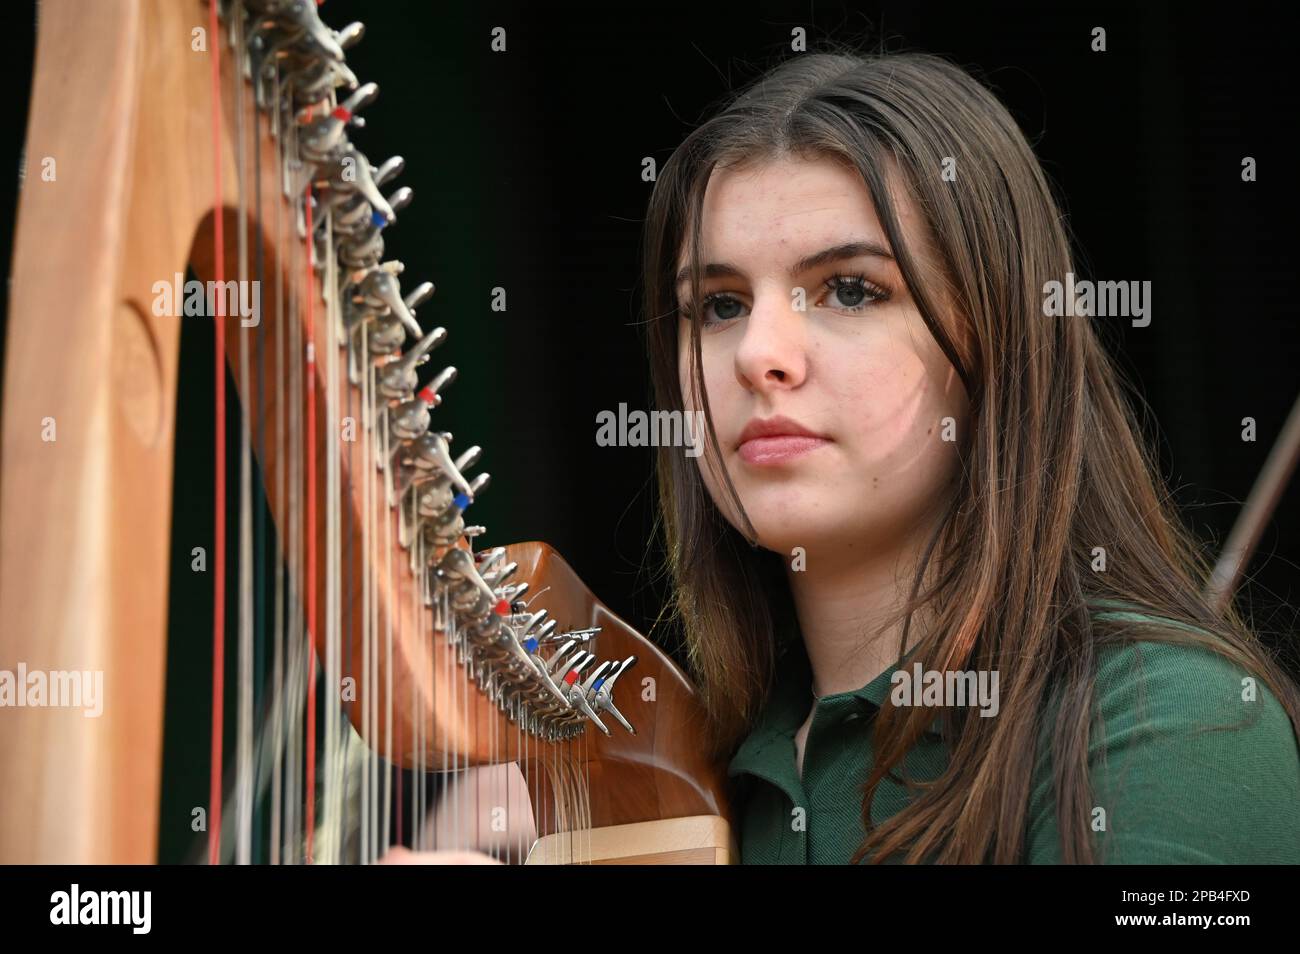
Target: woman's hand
[
  {"x": 400, "y": 855},
  {"x": 469, "y": 813}
]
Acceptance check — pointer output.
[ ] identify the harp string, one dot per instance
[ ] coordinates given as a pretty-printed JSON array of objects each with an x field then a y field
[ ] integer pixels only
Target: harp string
[
  {"x": 277, "y": 727},
  {"x": 293, "y": 637},
  {"x": 369, "y": 834},
  {"x": 417, "y": 735},
  {"x": 285, "y": 756},
  {"x": 393, "y": 608},
  {"x": 371, "y": 850},
  {"x": 263, "y": 555},
  {"x": 244, "y": 714},
  {"x": 310, "y": 580},
  {"x": 219, "y": 496},
  {"x": 335, "y": 740},
  {"x": 350, "y": 596}
]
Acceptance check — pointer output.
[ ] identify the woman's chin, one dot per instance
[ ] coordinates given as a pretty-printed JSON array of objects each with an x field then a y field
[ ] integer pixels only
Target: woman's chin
[{"x": 790, "y": 534}]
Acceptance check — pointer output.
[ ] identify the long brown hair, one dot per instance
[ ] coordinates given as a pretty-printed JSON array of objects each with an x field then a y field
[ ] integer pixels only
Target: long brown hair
[{"x": 1051, "y": 463}]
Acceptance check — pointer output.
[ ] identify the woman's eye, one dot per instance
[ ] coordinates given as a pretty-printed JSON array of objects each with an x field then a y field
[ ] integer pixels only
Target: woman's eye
[
  {"x": 853, "y": 293},
  {"x": 727, "y": 307}
]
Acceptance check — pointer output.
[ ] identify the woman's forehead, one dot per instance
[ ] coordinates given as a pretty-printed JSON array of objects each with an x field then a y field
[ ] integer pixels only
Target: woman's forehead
[{"x": 785, "y": 206}]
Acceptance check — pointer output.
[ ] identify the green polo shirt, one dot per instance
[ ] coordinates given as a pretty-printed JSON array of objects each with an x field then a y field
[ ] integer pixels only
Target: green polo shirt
[{"x": 1184, "y": 768}]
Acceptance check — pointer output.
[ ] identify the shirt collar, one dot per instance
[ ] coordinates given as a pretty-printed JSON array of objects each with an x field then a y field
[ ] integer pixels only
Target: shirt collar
[{"x": 791, "y": 697}]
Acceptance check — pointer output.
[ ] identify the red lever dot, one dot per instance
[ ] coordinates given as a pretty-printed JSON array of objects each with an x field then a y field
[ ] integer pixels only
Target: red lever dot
[
  {"x": 570, "y": 677},
  {"x": 341, "y": 112},
  {"x": 502, "y": 608},
  {"x": 427, "y": 396}
]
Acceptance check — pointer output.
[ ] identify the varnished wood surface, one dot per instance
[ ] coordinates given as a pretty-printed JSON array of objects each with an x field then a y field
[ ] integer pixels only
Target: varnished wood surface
[
  {"x": 698, "y": 840},
  {"x": 121, "y": 104}
]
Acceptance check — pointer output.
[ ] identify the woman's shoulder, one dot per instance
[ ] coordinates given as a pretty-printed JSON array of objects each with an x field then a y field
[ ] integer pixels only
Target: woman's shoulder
[
  {"x": 1151, "y": 687},
  {"x": 1191, "y": 757},
  {"x": 1145, "y": 680}
]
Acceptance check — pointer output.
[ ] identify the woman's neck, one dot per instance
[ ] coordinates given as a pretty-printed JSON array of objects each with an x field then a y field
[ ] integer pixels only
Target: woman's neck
[{"x": 846, "y": 608}]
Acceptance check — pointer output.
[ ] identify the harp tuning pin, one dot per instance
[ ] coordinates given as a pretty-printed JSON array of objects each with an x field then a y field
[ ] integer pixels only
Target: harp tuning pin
[
  {"x": 389, "y": 170},
  {"x": 486, "y": 559},
  {"x": 322, "y": 137},
  {"x": 301, "y": 24},
  {"x": 422, "y": 293},
  {"x": 431, "y": 393},
  {"x": 350, "y": 35},
  {"x": 479, "y": 483},
  {"x": 352, "y": 174},
  {"x": 398, "y": 378},
  {"x": 583, "y": 635},
  {"x": 431, "y": 451},
  {"x": 603, "y": 687},
  {"x": 365, "y": 184},
  {"x": 387, "y": 334},
  {"x": 408, "y": 421},
  {"x": 419, "y": 353},
  {"x": 574, "y": 691},
  {"x": 398, "y": 201},
  {"x": 362, "y": 96},
  {"x": 316, "y": 36},
  {"x": 380, "y": 287}
]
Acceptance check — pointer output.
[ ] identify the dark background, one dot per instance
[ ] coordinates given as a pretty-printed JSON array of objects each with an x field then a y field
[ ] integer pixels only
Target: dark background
[{"x": 526, "y": 170}]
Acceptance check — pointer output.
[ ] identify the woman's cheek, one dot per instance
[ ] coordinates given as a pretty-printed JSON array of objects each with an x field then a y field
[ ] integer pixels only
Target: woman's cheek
[{"x": 894, "y": 417}]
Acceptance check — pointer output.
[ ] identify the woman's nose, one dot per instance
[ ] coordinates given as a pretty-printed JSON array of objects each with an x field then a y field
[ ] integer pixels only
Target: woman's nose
[{"x": 772, "y": 351}]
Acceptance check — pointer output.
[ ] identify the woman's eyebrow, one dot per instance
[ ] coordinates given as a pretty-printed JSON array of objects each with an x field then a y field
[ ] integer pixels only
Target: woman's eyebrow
[{"x": 835, "y": 253}]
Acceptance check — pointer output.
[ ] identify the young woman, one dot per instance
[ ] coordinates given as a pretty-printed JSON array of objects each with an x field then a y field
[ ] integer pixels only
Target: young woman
[{"x": 913, "y": 472}]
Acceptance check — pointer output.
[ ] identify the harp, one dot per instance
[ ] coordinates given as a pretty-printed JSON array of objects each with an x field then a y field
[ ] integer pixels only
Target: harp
[{"x": 222, "y": 140}]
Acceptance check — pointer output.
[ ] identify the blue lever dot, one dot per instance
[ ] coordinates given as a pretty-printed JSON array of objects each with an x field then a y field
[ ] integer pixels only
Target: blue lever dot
[{"x": 461, "y": 501}]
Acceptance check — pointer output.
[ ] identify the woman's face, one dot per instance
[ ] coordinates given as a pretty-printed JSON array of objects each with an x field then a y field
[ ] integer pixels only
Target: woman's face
[{"x": 851, "y": 360}]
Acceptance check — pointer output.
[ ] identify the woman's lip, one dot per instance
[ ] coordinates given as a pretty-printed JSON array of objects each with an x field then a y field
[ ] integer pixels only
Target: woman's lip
[{"x": 778, "y": 448}]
